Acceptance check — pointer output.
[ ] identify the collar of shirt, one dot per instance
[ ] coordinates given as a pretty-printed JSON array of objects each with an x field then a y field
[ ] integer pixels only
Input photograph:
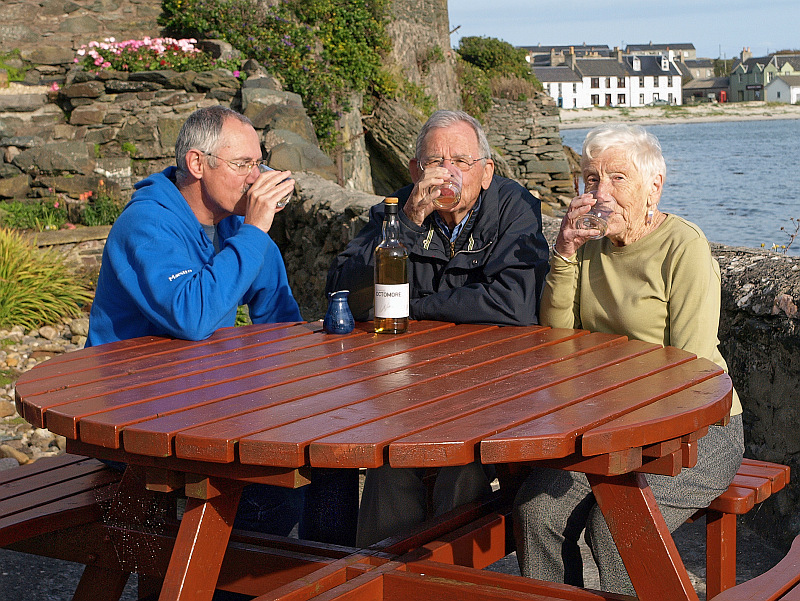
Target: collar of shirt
[{"x": 457, "y": 229}]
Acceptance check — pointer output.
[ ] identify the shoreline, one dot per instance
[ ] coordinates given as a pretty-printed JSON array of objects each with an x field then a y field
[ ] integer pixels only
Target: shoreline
[{"x": 662, "y": 115}]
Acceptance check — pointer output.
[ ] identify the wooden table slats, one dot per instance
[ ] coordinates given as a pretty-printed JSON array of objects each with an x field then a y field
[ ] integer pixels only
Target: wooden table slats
[
  {"x": 292, "y": 362},
  {"x": 375, "y": 421},
  {"x": 264, "y": 403},
  {"x": 238, "y": 414},
  {"x": 558, "y": 433}
]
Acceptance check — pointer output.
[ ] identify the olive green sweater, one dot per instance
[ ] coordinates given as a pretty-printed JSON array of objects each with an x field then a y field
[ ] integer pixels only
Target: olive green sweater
[{"x": 663, "y": 288}]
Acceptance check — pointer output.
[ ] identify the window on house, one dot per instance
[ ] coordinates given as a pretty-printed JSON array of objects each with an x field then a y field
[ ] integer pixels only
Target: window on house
[
  {"x": 595, "y": 82},
  {"x": 670, "y": 98},
  {"x": 779, "y": 94},
  {"x": 669, "y": 82},
  {"x": 574, "y": 88},
  {"x": 641, "y": 98},
  {"x": 559, "y": 89},
  {"x": 641, "y": 81},
  {"x": 621, "y": 99},
  {"x": 620, "y": 82},
  {"x": 595, "y": 99},
  {"x": 608, "y": 82}
]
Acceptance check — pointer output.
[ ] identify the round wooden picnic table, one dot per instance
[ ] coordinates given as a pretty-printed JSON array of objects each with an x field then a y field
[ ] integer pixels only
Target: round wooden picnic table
[{"x": 262, "y": 403}]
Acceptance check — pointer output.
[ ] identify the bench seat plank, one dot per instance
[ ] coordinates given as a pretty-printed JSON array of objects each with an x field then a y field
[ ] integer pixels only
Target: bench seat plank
[
  {"x": 52, "y": 494},
  {"x": 780, "y": 583}
]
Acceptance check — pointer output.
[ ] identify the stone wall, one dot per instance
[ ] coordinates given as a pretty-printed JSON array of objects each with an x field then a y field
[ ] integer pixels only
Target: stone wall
[
  {"x": 526, "y": 133},
  {"x": 48, "y": 32},
  {"x": 121, "y": 127}
]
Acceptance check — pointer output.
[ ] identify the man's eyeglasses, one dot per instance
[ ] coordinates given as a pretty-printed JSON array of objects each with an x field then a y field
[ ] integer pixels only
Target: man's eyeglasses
[
  {"x": 242, "y": 168},
  {"x": 464, "y": 163}
]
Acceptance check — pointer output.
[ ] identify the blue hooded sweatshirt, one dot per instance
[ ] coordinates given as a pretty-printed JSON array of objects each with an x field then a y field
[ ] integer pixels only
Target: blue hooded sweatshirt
[{"x": 160, "y": 275}]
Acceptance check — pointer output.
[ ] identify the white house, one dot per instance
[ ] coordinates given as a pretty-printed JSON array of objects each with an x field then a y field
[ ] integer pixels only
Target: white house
[
  {"x": 783, "y": 88},
  {"x": 563, "y": 84},
  {"x": 654, "y": 79},
  {"x": 619, "y": 81}
]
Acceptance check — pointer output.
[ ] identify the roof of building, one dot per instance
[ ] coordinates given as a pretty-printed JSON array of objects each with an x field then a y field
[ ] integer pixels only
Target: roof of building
[
  {"x": 707, "y": 83},
  {"x": 630, "y": 48},
  {"x": 555, "y": 74},
  {"x": 793, "y": 81},
  {"x": 600, "y": 67},
  {"x": 649, "y": 65},
  {"x": 696, "y": 63},
  {"x": 580, "y": 49}
]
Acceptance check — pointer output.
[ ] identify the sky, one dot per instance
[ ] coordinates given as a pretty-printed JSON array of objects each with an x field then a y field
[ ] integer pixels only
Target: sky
[{"x": 717, "y": 28}]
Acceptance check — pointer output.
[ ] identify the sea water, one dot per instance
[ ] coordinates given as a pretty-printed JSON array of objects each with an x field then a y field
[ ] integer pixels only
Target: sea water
[{"x": 738, "y": 180}]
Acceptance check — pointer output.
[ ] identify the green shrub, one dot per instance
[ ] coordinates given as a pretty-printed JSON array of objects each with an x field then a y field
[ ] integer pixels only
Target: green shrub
[
  {"x": 512, "y": 87},
  {"x": 496, "y": 58},
  {"x": 321, "y": 49},
  {"x": 102, "y": 208},
  {"x": 50, "y": 214},
  {"x": 35, "y": 286},
  {"x": 476, "y": 92},
  {"x": 13, "y": 73}
]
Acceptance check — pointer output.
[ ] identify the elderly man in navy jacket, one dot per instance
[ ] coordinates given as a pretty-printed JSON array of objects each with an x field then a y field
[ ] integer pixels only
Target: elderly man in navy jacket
[{"x": 482, "y": 261}]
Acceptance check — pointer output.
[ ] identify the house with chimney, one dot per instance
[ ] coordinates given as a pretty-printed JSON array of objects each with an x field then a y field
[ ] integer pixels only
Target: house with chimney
[
  {"x": 681, "y": 51},
  {"x": 616, "y": 81},
  {"x": 751, "y": 75},
  {"x": 783, "y": 88}
]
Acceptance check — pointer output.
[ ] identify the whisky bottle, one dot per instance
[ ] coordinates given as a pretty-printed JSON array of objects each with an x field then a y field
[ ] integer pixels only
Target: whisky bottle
[{"x": 391, "y": 276}]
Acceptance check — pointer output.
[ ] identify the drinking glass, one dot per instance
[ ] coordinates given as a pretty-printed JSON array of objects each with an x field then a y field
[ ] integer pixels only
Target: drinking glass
[
  {"x": 283, "y": 201},
  {"x": 450, "y": 190},
  {"x": 597, "y": 217}
]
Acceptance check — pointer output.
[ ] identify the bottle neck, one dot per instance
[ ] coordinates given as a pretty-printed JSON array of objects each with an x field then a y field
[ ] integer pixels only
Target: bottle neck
[{"x": 391, "y": 225}]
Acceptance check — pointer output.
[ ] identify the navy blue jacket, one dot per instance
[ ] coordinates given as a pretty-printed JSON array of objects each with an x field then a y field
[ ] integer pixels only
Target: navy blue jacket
[{"x": 492, "y": 273}]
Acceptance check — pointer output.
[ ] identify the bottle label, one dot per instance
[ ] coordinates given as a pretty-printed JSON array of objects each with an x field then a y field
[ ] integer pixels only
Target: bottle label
[{"x": 391, "y": 300}]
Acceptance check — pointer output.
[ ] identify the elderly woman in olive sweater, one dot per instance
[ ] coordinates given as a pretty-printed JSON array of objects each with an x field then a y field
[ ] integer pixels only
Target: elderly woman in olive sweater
[{"x": 652, "y": 278}]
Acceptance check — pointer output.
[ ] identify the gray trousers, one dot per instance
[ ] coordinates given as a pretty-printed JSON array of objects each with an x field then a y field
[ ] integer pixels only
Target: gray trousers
[
  {"x": 553, "y": 507},
  {"x": 394, "y": 500}
]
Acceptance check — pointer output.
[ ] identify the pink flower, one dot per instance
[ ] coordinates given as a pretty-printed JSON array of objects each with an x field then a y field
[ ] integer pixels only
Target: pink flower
[
  {"x": 54, "y": 87},
  {"x": 237, "y": 73},
  {"x": 55, "y": 204}
]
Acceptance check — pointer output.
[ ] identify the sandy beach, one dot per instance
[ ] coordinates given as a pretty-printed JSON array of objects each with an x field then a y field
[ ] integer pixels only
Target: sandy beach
[{"x": 656, "y": 115}]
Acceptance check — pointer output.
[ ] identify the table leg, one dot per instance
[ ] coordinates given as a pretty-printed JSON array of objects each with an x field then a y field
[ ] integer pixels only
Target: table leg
[
  {"x": 642, "y": 537},
  {"x": 201, "y": 543}
]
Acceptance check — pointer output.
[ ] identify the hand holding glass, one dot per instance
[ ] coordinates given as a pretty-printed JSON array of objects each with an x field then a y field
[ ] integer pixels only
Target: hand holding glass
[
  {"x": 285, "y": 200},
  {"x": 597, "y": 217},
  {"x": 449, "y": 191}
]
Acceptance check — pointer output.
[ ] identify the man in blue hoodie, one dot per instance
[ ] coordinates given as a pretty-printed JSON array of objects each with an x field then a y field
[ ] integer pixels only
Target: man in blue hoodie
[{"x": 189, "y": 248}]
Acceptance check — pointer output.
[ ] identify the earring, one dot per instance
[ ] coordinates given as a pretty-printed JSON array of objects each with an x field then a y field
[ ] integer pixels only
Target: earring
[{"x": 649, "y": 217}]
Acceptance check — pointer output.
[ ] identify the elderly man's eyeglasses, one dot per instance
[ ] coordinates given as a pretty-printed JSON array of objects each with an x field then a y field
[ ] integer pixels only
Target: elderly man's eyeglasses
[
  {"x": 242, "y": 168},
  {"x": 464, "y": 163}
]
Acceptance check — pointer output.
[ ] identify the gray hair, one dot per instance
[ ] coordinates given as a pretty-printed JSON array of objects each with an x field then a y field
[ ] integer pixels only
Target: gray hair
[
  {"x": 446, "y": 119},
  {"x": 641, "y": 147},
  {"x": 202, "y": 131}
]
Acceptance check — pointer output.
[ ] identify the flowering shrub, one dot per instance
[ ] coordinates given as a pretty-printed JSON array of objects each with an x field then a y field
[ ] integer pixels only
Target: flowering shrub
[
  {"x": 148, "y": 54},
  {"x": 320, "y": 49}
]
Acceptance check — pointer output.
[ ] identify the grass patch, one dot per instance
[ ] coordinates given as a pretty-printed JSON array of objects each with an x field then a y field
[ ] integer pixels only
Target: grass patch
[{"x": 36, "y": 288}]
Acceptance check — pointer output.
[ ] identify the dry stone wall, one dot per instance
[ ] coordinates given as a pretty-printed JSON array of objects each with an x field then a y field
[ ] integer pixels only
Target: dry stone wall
[{"x": 527, "y": 136}]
